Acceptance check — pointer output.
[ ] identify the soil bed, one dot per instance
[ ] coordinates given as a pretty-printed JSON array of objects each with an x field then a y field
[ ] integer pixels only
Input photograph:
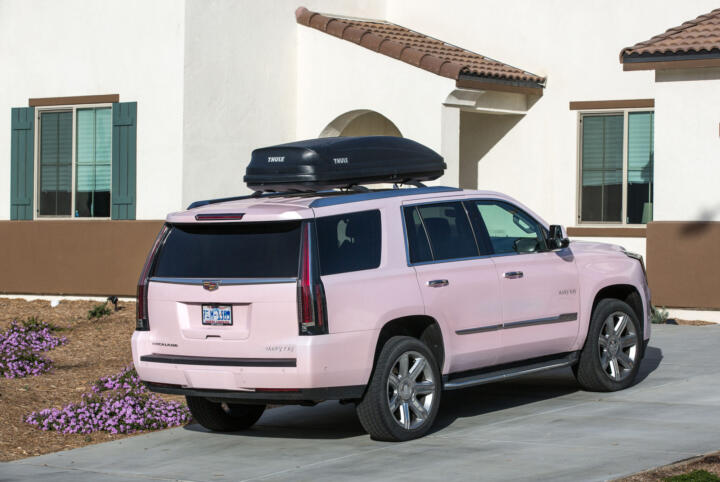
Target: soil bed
[
  {"x": 709, "y": 463},
  {"x": 95, "y": 348}
]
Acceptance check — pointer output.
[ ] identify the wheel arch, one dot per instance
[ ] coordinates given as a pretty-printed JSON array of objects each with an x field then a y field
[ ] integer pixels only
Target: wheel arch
[
  {"x": 423, "y": 327},
  {"x": 624, "y": 292}
]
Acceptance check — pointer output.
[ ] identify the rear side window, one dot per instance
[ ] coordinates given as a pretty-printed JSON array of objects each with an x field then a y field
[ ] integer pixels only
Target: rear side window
[
  {"x": 445, "y": 226},
  {"x": 252, "y": 250},
  {"x": 349, "y": 242}
]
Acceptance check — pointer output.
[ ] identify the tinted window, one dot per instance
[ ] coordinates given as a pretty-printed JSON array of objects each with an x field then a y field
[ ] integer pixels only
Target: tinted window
[
  {"x": 449, "y": 231},
  {"x": 349, "y": 242},
  {"x": 510, "y": 230},
  {"x": 418, "y": 245},
  {"x": 253, "y": 250}
]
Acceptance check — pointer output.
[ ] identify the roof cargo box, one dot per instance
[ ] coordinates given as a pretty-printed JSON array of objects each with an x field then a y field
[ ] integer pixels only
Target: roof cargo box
[{"x": 337, "y": 162}]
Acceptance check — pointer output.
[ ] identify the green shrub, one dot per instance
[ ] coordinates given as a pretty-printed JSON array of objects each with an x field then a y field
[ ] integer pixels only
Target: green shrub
[
  {"x": 659, "y": 316},
  {"x": 33, "y": 323},
  {"x": 98, "y": 311},
  {"x": 694, "y": 476}
]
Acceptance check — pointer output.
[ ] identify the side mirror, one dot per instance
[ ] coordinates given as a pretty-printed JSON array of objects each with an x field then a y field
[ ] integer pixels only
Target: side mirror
[{"x": 558, "y": 238}]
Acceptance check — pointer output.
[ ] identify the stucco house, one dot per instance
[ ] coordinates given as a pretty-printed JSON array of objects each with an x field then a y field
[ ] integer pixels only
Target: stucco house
[{"x": 119, "y": 112}]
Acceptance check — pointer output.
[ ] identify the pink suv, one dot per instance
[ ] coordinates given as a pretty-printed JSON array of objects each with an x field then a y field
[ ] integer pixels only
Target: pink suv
[{"x": 383, "y": 298}]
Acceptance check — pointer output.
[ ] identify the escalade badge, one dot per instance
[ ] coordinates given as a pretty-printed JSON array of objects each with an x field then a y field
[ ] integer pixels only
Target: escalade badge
[{"x": 211, "y": 285}]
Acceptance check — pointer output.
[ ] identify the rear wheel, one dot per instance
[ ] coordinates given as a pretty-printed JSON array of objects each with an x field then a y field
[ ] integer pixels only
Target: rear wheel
[
  {"x": 403, "y": 397},
  {"x": 611, "y": 356},
  {"x": 223, "y": 417}
]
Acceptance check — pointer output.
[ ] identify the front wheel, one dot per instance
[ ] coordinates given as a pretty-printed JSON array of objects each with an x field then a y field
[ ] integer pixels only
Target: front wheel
[
  {"x": 223, "y": 417},
  {"x": 610, "y": 358},
  {"x": 403, "y": 396}
]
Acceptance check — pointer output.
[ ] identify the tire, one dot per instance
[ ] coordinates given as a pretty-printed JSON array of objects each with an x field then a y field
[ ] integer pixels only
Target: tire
[
  {"x": 223, "y": 417},
  {"x": 610, "y": 359},
  {"x": 416, "y": 398}
]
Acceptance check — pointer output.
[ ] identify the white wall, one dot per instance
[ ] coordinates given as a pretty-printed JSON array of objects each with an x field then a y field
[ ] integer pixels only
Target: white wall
[
  {"x": 81, "y": 47},
  {"x": 687, "y": 145},
  {"x": 336, "y": 76},
  {"x": 576, "y": 45},
  {"x": 241, "y": 74}
]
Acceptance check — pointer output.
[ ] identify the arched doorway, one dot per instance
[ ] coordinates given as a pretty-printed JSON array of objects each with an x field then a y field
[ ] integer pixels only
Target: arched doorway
[{"x": 361, "y": 122}]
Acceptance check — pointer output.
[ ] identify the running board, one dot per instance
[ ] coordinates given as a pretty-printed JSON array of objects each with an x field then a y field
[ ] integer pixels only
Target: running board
[{"x": 507, "y": 373}]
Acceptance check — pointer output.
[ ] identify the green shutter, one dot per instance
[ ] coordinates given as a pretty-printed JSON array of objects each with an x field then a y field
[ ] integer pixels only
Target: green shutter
[
  {"x": 22, "y": 162},
  {"x": 124, "y": 159}
]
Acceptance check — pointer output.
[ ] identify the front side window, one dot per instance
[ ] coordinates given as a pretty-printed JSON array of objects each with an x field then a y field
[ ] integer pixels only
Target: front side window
[
  {"x": 74, "y": 162},
  {"x": 349, "y": 242},
  {"x": 439, "y": 232},
  {"x": 509, "y": 229},
  {"x": 616, "y": 183}
]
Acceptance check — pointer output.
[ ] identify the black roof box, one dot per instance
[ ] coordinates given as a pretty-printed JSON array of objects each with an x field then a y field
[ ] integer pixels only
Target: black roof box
[{"x": 337, "y": 162}]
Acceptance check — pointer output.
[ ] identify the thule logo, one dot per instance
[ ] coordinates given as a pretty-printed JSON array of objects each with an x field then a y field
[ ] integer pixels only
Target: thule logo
[
  {"x": 276, "y": 159},
  {"x": 340, "y": 160}
]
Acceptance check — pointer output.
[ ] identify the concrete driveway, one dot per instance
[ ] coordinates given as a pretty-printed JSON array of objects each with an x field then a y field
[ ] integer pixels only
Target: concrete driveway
[{"x": 531, "y": 428}]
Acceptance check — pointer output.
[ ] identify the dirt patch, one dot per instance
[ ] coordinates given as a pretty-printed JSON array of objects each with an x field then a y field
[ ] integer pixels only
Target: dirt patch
[
  {"x": 710, "y": 463},
  {"x": 693, "y": 322},
  {"x": 95, "y": 348}
]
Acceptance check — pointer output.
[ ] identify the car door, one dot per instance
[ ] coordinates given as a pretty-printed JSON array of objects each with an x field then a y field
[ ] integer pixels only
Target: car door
[
  {"x": 539, "y": 287},
  {"x": 459, "y": 285}
]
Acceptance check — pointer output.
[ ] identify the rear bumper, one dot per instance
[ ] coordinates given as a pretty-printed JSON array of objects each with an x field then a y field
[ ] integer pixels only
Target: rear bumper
[
  {"x": 322, "y": 363},
  {"x": 266, "y": 397}
]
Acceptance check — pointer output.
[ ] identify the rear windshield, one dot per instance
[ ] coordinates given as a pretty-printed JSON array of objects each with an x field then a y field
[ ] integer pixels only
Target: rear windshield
[{"x": 252, "y": 250}]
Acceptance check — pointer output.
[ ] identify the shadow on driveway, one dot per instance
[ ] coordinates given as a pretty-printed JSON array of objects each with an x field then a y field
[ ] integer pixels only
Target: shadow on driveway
[{"x": 333, "y": 420}]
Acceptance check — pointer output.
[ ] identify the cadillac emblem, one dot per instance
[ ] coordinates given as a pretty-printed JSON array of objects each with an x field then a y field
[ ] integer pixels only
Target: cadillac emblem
[{"x": 211, "y": 285}]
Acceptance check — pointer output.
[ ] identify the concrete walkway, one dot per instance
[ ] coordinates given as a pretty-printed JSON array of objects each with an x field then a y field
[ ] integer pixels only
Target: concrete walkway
[{"x": 539, "y": 428}]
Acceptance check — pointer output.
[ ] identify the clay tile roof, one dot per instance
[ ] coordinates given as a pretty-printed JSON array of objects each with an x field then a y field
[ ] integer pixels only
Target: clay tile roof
[
  {"x": 699, "y": 36},
  {"x": 416, "y": 49}
]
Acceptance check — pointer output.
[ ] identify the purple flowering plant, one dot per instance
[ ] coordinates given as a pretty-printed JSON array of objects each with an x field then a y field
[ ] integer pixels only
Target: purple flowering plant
[
  {"x": 120, "y": 403},
  {"x": 21, "y": 346}
]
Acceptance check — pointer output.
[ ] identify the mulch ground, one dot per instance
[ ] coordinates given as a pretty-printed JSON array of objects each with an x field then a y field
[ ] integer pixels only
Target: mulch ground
[
  {"x": 709, "y": 463},
  {"x": 95, "y": 348}
]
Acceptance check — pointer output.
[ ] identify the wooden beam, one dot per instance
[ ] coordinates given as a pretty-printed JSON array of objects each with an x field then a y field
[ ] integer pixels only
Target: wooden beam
[
  {"x": 78, "y": 99},
  {"x": 612, "y": 104}
]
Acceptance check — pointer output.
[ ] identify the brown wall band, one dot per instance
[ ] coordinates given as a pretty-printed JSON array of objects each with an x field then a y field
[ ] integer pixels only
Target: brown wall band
[
  {"x": 682, "y": 263},
  {"x": 607, "y": 232},
  {"x": 612, "y": 104},
  {"x": 79, "y": 99},
  {"x": 671, "y": 64},
  {"x": 73, "y": 257}
]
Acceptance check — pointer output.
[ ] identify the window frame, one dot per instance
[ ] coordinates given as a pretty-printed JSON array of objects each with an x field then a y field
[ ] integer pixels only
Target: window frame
[
  {"x": 578, "y": 183},
  {"x": 476, "y": 224},
  {"x": 36, "y": 166}
]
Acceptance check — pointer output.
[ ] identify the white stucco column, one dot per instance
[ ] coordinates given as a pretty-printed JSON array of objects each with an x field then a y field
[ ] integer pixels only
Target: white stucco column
[{"x": 450, "y": 145}]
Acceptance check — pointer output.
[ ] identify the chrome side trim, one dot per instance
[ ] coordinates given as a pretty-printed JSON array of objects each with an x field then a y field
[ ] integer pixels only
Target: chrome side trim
[
  {"x": 542, "y": 321},
  {"x": 481, "y": 329},
  {"x": 520, "y": 324},
  {"x": 222, "y": 281}
]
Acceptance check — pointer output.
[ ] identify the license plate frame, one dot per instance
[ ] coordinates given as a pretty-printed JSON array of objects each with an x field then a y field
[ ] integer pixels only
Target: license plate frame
[{"x": 216, "y": 315}]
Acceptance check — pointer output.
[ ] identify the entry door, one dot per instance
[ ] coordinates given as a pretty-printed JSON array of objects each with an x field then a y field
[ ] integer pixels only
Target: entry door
[
  {"x": 459, "y": 287},
  {"x": 539, "y": 288}
]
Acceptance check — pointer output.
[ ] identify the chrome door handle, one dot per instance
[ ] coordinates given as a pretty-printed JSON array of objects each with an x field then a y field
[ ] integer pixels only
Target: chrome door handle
[
  {"x": 513, "y": 274},
  {"x": 438, "y": 283}
]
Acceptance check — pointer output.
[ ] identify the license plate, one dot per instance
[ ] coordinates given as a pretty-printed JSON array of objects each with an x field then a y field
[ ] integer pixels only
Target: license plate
[{"x": 217, "y": 315}]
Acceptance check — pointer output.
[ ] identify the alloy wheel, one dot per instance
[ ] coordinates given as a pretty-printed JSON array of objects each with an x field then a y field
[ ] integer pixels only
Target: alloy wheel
[
  {"x": 411, "y": 389},
  {"x": 618, "y": 346}
]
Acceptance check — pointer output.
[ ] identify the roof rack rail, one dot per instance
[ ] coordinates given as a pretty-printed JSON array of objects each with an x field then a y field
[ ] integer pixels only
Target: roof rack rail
[{"x": 256, "y": 194}]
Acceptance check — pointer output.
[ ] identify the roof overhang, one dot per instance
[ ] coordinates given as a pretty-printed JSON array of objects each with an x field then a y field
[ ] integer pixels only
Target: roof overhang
[
  {"x": 469, "y": 69},
  {"x": 670, "y": 61}
]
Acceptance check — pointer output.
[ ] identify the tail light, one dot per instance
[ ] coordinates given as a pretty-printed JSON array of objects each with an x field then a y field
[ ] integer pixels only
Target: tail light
[
  {"x": 141, "y": 305},
  {"x": 312, "y": 309}
]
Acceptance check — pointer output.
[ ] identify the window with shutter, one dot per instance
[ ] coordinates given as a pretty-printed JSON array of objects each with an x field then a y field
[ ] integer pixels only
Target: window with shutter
[
  {"x": 84, "y": 163},
  {"x": 616, "y": 184}
]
